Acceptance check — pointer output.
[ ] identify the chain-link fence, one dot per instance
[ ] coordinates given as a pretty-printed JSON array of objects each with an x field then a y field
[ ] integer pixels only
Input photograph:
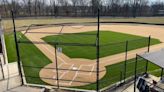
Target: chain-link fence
[
  {"x": 69, "y": 56},
  {"x": 52, "y": 55},
  {"x": 76, "y": 72}
]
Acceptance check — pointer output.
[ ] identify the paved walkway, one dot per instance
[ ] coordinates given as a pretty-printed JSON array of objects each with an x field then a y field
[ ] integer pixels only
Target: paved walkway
[
  {"x": 12, "y": 78},
  {"x": 24, "y": 89}
]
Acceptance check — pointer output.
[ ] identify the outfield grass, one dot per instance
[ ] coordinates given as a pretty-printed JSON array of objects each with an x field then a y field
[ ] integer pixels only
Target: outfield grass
[
  {"x": 110, "y": 43},
  {"x": 30, "y": 56},
  {"x": 26, "y": 22}
]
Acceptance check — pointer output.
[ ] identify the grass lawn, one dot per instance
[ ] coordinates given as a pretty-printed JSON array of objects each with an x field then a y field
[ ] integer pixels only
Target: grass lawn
[
  {"x": 110, "y": 43},
  {"x": 30, "y": 56},
  {"x": 26, "y": 22}
]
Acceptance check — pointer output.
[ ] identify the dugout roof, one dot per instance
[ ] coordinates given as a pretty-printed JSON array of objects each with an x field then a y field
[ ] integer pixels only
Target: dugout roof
[{"x": 155, "y": 57}]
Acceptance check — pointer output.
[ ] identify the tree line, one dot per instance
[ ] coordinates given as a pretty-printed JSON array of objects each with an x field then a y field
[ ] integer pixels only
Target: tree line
[{"x": 81, "y": 8}]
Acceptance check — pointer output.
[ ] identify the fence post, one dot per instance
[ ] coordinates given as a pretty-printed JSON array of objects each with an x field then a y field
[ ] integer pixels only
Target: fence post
[
  {"x": 161, "y": 73},
  {"x": 0, "y": 22},
  {"x": 126, "y": 57},
  {"x": 135, "y": 73},
  {"x": 97, "y": 50},
  {"x": 57, "y": 73},
  {"x": 149, "y": 42},
  {"x": 147, "y": 62},
  {"x": 17, "y": 48},
  {"x": 121, "y": 73}
]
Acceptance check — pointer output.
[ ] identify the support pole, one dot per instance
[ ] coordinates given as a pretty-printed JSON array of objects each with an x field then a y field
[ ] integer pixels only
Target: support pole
[
  {"x": 57, "y": 71},
  {"x": 147, "y": 62},
  {"x": 17, "y": 48},
  {"x": 149, "y": 42},
  {"x": 0, "y": 22},
  {"x": 135, "y": 73},
  {"x": 121, "y": 73},
  {"x": 98, "y": 49},
  {"x": 161, "y": 73},
  {"x": 126, "y": 57}
]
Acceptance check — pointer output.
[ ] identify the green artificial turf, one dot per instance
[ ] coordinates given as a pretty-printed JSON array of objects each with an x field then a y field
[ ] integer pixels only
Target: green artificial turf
[
  {"x": 110, "y": 43},
  {"x": 30, "y": 56},
  {"x": 10, "y": 46}
]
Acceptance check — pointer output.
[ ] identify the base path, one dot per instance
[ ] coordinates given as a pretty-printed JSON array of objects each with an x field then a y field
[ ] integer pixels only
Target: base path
[{"x": 83, "y": 71}]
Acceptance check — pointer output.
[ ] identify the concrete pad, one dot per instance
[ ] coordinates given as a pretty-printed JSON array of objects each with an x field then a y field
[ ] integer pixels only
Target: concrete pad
[
  {"x": 11, "y": 75},
  {"x": 25, "y": 89},
  {"x": 10, "y": 83}
]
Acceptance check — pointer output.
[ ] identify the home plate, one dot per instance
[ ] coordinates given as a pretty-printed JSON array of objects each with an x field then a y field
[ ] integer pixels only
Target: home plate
[
  {"x": 54, "y": 77},
  {"x": 74, "y": 68}
]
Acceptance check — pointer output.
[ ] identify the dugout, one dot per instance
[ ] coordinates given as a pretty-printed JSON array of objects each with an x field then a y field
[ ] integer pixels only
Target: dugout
[{"x": 156, "y": 58}]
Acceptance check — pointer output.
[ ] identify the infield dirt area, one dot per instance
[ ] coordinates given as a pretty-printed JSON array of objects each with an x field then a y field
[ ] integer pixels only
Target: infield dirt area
[{"x": 78, "y": 77}]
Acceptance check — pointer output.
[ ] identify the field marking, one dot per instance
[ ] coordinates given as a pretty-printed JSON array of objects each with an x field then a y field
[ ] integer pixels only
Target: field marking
[
  {"x": 89, "y": 69},
  {"x": 66, "y": 71},
  {"x": 63, "y": 73},
  {"x": 75, "y": 75},
  {"x": 92, "y": 69}
]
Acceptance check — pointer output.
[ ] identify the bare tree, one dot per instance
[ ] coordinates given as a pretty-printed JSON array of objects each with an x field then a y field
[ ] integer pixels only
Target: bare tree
[
  {"x": 65, "y": 7},
  {"x": 35, "y": 7},
  {"x": 80, "y": 7},
  {"x": 85, "y": 10},
  {"x": 4, "y": 6},
  {"x": 15, "y": 6},
  {"x": 75, "y": 5},
  {"x": 27, "y": 6},
  {"x": 95, "y": 5}
]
